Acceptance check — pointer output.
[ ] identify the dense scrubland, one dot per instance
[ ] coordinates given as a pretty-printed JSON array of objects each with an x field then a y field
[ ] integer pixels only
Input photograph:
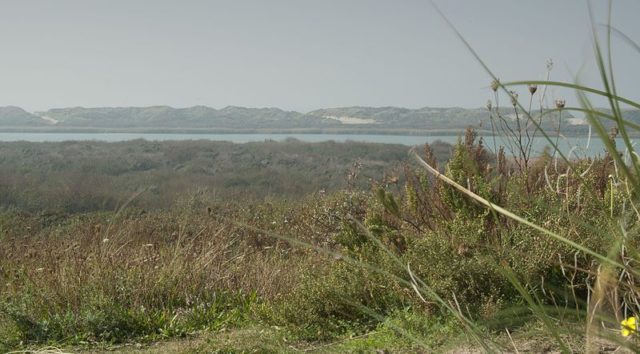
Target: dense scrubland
[
  {"x": 112, "y": 242},
  {"x": 73, "y": 177},
  {"x": 332, "y": 246}
]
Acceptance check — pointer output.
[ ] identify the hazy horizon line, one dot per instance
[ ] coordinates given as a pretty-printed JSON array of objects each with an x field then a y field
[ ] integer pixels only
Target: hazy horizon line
[
  {"x": 238, "y": 106},
  {"x": 38, "y": 111}
]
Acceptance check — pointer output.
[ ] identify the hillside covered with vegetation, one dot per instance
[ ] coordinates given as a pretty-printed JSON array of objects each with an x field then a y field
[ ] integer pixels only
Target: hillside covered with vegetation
[
  {"x": 295, "y": 245},
  {"x": 380, "y": 120}
]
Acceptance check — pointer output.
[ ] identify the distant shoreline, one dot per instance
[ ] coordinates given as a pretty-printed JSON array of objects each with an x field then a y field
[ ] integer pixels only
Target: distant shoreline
[{"x": 167, "y": 130}]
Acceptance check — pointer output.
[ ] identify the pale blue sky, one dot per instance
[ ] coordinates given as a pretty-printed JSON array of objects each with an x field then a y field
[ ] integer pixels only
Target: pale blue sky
[{"x": 293, "y": 54}]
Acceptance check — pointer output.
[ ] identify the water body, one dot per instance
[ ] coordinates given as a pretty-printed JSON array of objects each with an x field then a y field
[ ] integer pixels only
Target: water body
[{"x": 576, "y": 146}]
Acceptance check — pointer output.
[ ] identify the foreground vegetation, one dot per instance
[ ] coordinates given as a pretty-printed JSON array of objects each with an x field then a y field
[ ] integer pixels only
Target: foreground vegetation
[
  {"x": 139, "y": 241},
  {"x": 311, "y": 269}
]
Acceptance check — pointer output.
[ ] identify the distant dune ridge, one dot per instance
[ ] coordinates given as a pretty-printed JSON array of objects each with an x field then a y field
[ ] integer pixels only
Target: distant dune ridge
[
  {"x": 16, "y": 116},
  {"x": 241, "y": 119}
]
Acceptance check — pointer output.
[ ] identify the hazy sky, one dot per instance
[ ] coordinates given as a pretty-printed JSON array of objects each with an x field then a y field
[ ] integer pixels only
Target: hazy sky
[{"x": 294, "y": 54}]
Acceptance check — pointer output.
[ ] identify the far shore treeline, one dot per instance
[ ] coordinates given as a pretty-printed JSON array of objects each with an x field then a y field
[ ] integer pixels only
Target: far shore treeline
[{"x": 202, "y": 119}]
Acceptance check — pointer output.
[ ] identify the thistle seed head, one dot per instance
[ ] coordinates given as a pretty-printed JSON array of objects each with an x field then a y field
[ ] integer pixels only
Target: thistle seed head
[
  {"x": 514, "y": 98},
  {"x": 560, "y": 103},
  {"x": 549, "y": 64},
  {"x": 495, "y": 84}
]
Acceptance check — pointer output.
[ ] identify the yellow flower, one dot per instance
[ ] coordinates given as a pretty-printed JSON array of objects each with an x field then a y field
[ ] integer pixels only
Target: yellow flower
[{"x": 628, "y": 326}]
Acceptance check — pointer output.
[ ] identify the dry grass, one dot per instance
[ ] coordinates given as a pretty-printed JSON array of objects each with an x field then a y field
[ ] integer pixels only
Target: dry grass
[{"x": 108, "y": 277}]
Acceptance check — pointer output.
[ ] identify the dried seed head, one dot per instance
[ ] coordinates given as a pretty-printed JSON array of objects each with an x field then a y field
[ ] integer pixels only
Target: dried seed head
[
  {"x": 613, "y": 133},
  {"x": 495, "y": 84},
  {"x": 533, "y": 89},
  {"x": 560, "y": 104},
  {"x": 514, "y": 98},
  {"x": 489, "y": 104},
  {"x": 549, "y": 64}
]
